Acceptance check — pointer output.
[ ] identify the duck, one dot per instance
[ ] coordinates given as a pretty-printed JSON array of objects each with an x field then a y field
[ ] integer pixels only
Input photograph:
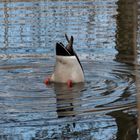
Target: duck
[{"x": 68, "y": 68}]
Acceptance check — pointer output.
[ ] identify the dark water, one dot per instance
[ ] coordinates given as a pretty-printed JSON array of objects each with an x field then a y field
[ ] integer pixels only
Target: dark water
[{"x": 104, "y": 107}]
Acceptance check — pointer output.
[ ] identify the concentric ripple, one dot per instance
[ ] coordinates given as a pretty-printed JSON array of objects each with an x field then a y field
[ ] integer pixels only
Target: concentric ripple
[
  {"x": 27, "y": 102},
  {"x": 97, "y": 109}
]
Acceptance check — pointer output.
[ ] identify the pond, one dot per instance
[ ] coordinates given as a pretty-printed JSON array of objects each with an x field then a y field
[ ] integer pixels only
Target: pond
[{"x": 105, "y": 106}]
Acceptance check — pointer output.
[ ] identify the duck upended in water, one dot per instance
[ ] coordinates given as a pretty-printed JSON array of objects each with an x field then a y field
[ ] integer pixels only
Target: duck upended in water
[{"x": 68, "y": 68}]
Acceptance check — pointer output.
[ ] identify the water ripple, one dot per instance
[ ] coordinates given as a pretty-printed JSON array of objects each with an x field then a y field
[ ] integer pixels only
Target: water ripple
[{"x": 31, "y": 110}]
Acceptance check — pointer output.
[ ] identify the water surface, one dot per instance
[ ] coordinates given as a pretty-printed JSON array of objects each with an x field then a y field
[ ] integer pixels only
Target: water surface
[{"x": 104, "y": 107}]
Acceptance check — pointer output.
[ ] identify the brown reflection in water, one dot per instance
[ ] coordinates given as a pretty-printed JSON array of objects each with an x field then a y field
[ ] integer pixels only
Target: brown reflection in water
[
  {"x": 127, "y": 125},
  {"x": 126, "y": 44},
  {"x": 138, "y": 96},
  {"x": 68, "y": 99},
  {"x": 138, "y": 83},
  {"x": 126, "y": 30}
]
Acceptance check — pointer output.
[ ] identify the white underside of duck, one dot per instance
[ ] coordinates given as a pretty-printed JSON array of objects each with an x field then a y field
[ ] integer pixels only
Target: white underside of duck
[{"x": 67, "y": 68}]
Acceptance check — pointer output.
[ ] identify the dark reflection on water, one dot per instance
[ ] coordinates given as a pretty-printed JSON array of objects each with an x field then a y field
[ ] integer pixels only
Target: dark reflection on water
[
  {"x": 68, "y": 99},
  {"x": 104, "y": 107},
  {"x": 126, "y": 31}
]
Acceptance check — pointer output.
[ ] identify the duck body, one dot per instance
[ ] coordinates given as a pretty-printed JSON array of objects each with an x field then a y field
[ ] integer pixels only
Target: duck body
[{"x": 67, "y": 66}]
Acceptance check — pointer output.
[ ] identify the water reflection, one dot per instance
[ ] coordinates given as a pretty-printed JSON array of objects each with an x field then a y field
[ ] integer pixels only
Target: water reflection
[
  {"x": 68, "y": 99},
  {"x": 101, "y": 107},
  {"x": 126, "y": 44},
  {"x": 126, "y": 31},
  {"x": 127, "y": 125},
  {"x": 6, "y": 25}
]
